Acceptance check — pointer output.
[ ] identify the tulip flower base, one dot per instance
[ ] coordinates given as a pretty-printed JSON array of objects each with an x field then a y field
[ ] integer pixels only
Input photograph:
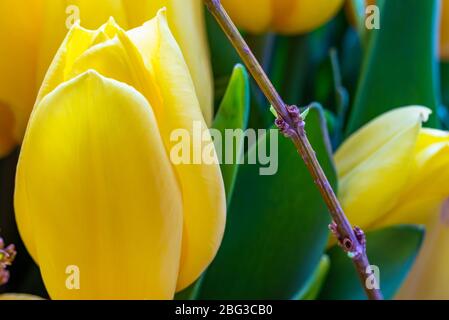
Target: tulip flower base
[{"x": 291, "y": 124}]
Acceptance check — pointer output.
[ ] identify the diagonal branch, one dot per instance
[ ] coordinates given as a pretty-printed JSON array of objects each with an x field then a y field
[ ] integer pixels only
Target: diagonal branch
[{"x": 292, "y": 125}]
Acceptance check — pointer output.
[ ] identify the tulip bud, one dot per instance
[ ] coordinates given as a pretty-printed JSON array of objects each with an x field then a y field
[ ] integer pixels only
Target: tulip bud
[
  {"x": 393, "y": 172},
  {"x": 385, "y": 165},
  {"x": 97, "y": 197},
  {"x": 36, "y": 28},
  {"x": 184, "y": 17},
  {"x": 283, "y": 16}
]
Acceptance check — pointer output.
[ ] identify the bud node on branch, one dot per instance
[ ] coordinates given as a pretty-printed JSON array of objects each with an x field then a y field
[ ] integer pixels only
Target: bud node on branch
[{"x": 7, "y": 256}]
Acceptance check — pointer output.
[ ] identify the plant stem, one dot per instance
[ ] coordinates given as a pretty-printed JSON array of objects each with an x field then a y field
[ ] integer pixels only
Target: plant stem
[{"x": 291, "y": 124}]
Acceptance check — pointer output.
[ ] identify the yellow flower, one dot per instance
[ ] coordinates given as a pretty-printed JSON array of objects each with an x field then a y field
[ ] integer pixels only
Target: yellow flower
[
  {"x": 283, "y": 16},
  {"x": 393, "y": 171},
  {"x": 36, "y": 28},
  {"x": 95, "y": 187}
]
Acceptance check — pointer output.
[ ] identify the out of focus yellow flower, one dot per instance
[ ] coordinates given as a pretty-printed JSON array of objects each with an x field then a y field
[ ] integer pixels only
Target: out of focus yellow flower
[
  {"x": 95, "y": 188},
  {"x": 283, "y": 16},
  {"x": 393, "y": 171},
  {"x": 34, "y": 29},
  {"x": 20, "y": 25}
]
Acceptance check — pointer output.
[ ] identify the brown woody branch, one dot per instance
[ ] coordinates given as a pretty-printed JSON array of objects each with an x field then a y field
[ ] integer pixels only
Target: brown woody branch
[{"x": 291, "y": 124}]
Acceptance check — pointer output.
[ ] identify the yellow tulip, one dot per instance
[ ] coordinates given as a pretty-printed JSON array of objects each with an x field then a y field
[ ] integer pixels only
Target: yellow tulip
[
  {"x": 95, "y": 187},
  {"x": 283, "y": 16},
  {"x": 392, "y": 172},
  {"x": 36, "y": 28}
]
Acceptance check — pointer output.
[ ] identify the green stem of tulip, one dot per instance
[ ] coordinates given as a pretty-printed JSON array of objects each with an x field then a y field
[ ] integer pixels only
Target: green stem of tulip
[{"x": 351, "y": 240}]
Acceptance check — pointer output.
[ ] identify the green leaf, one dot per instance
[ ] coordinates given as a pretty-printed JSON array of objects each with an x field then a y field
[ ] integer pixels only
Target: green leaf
[
  {"x": 359, "y": 7},
  {"x": 305, "y": 113},
  {"x": 393, "y": 250},
  {"x": 223, "y": 56},
  {"x": 445, "y": 82},
  {"x": 296, "y": 60},
  {"x": 351, "y": 54},
  {"x": 313, "y": 287},
  {"x": 331, "y": 120},
  {"x": 273, "y": 112},
  {"x": 444, "y": 109},
  {"x": 277, "y": 225},
  {"x": 233, "y": 115},
  {"x": 400, "y": 68}
]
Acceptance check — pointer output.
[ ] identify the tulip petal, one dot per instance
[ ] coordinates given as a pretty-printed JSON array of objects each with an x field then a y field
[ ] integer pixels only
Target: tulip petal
[
  {"x": 374, "y": 164},
  {"x": 254, "y": 16},
  {"x": 428, "y": 185},
  {"x": 185, "y": 18},
  {"x": 362, "y": 144},
  {"x": 186, "y": 21},
  {"x": 107, "y": 50},
  {"x": 202, "y": 185},
  {"x": 19, "y": 37},
  {"x": 95, "y": 182},
  {"x": 429, "y": 278},
  {"x": 60, "y": 15},
  {"x": 283, "y": 16},
  {"x": 300, "y": 16},
  {"x": 76, "y": 42},
  {"x": 119, "y": 59}
]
